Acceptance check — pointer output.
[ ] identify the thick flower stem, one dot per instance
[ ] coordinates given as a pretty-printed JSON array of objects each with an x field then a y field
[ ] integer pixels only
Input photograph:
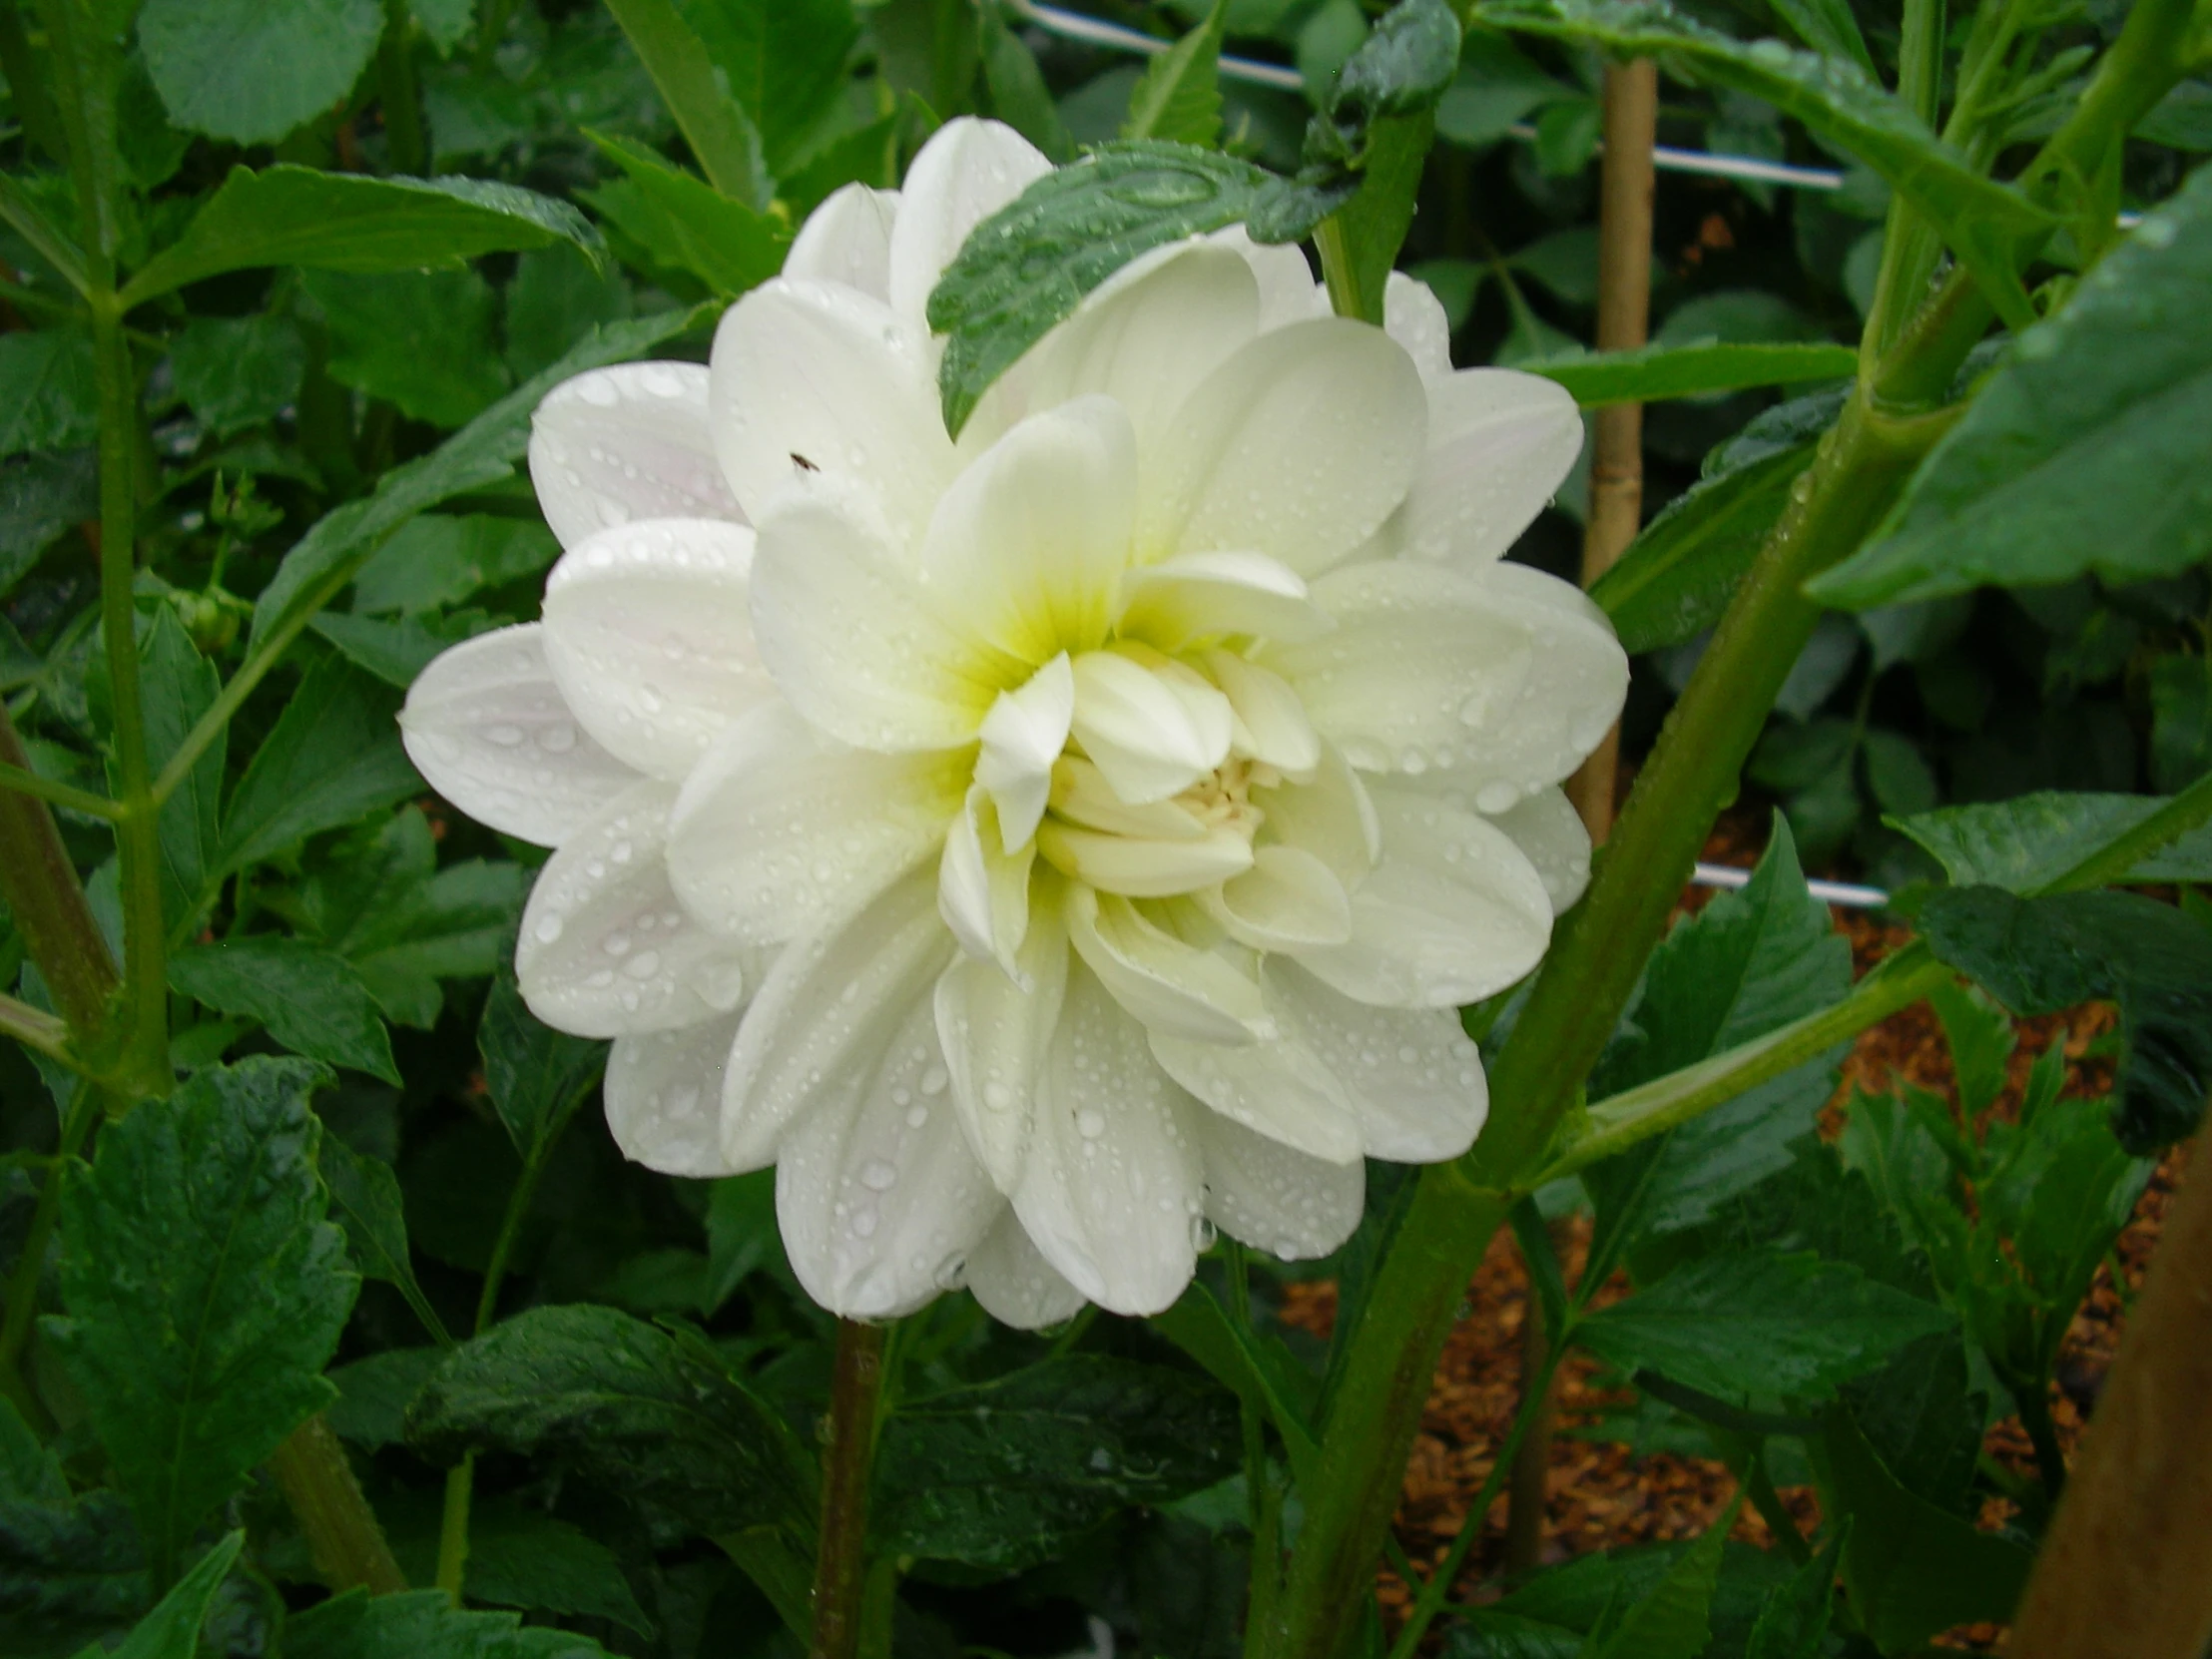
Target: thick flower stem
[
  {"x": 40, "y": 884},
  {"x": 346, "y": 1544},
  {"x": 848, "y": 1457},
  {"x": 1577, "y": 998}
]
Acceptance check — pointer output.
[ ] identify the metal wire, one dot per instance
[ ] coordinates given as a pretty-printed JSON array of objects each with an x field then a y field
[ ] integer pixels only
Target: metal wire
[{"x": 1848, "y": 893}]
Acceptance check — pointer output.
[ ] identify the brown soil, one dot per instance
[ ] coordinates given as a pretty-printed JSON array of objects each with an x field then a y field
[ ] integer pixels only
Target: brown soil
[{"x": 1603, "y": 1496}]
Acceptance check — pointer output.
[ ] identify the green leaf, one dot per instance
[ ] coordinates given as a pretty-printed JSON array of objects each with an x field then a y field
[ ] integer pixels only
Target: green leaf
[
  {"x": 1794, "y": 1623},
  {"x": 1370, "y": 228},
  {"x": 445, "y": 23},
  {"x": 1921, "y": 1413},
  {"x": 1757, "y": 1326},
  {"x": 366, "y": 1201},
  {"x": 687, "y": 223},
  {"x": 1912, "y": 1569},
  {"x": 422, "y": 1624},
  {"x": 48, "y": 398},
  {"x": 1750, "y": 961},
  {"x": 205, "y": 1289},
  {"x": 40, "y": 497},
  {"x": 555, "y": 300},
  {"x": 68, "y": 1569},
  {"x": 1672, "y": 1621},
  {"x": 421, "y": 339},
  {"x": 374, "y": 1393},
  {"x": 311, "y": 999},
  {"x": 2040, "y": 956},
  {"x": 630, "y": 1408},
  {"x": 397, "y": 650},
  {"x": 1029, "y": 264},
  {"x": 2081, "y": 453},
  {"x": 1178, "y": 97},
  {"x": 783, "y": 60},
  {"x": 177, "y": 686},
  {"x": 350, "y": 221},
  {"x": 250, "y": 71},
  {"x": 697, "y": 91},
  {"x": 1019, "y": 96},
  {"x": 439, "y": 561},
  {"x": 172, "y": 1629},
  {"x": 1252, "y": 1364},
  {"x": 1655, "y": 373},
  {"x": 1981, "y": 1041},
  {"x": 1983, "y": 221},
  {"x": 2028, "y": 842},
  {"x": 1828, "y": 27},
  {"x": 1677, "y": 577},
  {"x": 537, "y": 1076},
  {"x": 1002, "y": 1474},
  {"x": 482, "y": 452},
  {"x": 333, "y": 756},
  {"x": 29, "y": 1473},
  {"x": 235, "y": 372},
  {"x": 2182, "y": 720},
  {"x": 522, "y": 1557}
]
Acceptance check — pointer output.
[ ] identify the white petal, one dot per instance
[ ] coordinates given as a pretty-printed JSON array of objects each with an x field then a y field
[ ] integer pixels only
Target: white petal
[
  {"x": 1500, "y": 443},
  {"x": 1504, "y": 676},
  {"x": 1153, "y": 729},
  {"x": 623, "y": 443},
  {"x": 1413, "y": 1075},
  {"x": 821, "y": 1024},
  {"x": 1143, "y": 869},
  {"x": 1329, "y": 816},
  {"x": 649, "y": 630},
  {"x": 1414, "y": 318},
  {"x": 878, "y": 1196},
  {"x": 1279, "y": 1089},
  {"x": 1287, "y": 901},
  {"x": 852, "y": 637},
  {"x": 780, "y": 829},
  {"x": 1299, "y": 445},
  {"x": 605, "y": 949},
  {"x": 1111, "y": 1187},
  {"x": 1277, "y": 1199},
  {"x": 1544, "y": 825},
  {"x": 1146, "y": 338},
  {"x": 1015, "y": 1283},
  {"x": 1167, "y": 985},
  {"x": 816, "y": 378},
  {"x": 664, "y": 1097},
  {"x": 1272, "y": 726},
  {"x": 487, "y": 727},
  {"x": 1023, "y": 736},
  {"x": 847, "y": 240},
  {"x": 996, "y": 1030},
  {"x": 966, "y": 171},
  {"x": 1030, "y": 541},
  {"x": 1452, "y": 912},
  {"x": 1288, "y": 292},
  {"x": 984, "y": 890},
  {"x": 1206, "y": 596}
]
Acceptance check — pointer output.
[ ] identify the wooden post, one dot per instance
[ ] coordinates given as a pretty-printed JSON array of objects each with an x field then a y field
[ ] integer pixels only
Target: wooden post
[{"x": 2125, "y": 1570}]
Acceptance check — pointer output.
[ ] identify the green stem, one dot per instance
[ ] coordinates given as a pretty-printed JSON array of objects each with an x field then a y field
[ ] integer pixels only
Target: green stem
[
  {"x": 343, "y": 1539},
  {"x": 30, "y": 1265},
  {"x": 138, "y": 833},
  {"x": 1909, "y": 247},
  {"x": 453, "y": 1527},
  {"x": 847, "y": 1456},
  {"x": 2034, "y": 1399},
  {"x": 22, "y": 781},
  {"x": 1572, "y": 1010},
  {"x": 403, "y": 105},
  {"x": 37, "y": 1031},
  {"x": 1536, "y": 1393},
  {"x": 45, "y": 238}
]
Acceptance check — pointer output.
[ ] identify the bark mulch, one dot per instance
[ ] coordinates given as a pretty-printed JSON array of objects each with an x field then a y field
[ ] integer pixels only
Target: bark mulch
[{"x": 1603, "y": 1493}]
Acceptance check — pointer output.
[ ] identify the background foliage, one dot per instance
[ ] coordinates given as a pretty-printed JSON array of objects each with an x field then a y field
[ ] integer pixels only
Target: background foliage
[{"x": 365, "y": 239}]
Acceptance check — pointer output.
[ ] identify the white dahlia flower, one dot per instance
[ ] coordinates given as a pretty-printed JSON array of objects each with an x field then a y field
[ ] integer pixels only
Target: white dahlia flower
[{"x": 1046, "y": 844}]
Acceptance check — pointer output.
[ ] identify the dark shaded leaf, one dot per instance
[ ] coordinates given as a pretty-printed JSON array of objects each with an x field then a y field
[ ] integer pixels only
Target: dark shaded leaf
[
  {"x": 1658, "y": 372},
  {"x": 420, "y": 340},
  {"x": 311, "y": 999},
  {"x": 374, "y": 1393},
  {"x": 250, "y": 71},
  {"x": 630, "y": 1408},
  {"x": 172, "y": 1629},
  {"x": 686, "y": 224},
  {"x": 48, "y": 398},
  {"x": 1178, "y": 98},
  {"x": 2033, "y": 840},
  {"x": 439, "y": 561},
  {"x": 1673, "y": 1619},
  {"x": 422, "y": 1624},
  {"x": 333, "y": 756},
  {"x": 205, "y": 1289},
  {"x": 177, "y": 686},
  {"x": 235, "y": 372},
  {"x": 537, "y": 1075},
  {"x": 522, "y": 1557},
  {"x": 1002, "y": 1474}
]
